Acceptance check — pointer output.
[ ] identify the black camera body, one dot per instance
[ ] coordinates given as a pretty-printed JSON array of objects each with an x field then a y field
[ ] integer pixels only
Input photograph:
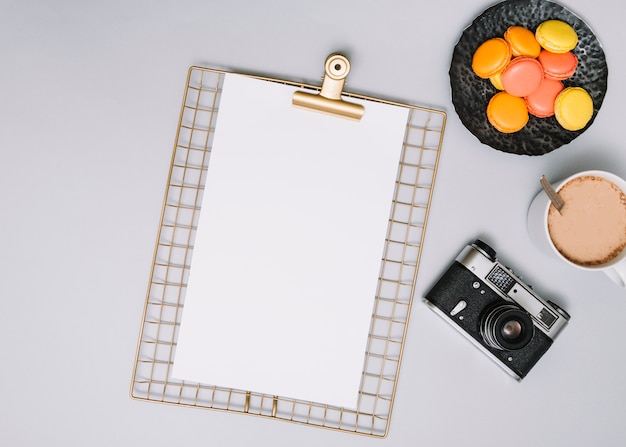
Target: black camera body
[{"x": 495, "y": 310}]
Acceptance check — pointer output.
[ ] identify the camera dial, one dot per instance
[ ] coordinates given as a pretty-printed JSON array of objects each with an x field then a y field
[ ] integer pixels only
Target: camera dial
[{"x": 485, "y": 249}]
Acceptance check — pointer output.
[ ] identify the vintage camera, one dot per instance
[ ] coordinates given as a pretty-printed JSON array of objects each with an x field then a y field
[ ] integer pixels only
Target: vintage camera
[{"x": 495, "y": 310}]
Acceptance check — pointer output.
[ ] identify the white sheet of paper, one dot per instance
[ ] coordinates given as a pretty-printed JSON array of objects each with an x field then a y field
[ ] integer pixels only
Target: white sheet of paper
[{"x": 289, "y": 246}]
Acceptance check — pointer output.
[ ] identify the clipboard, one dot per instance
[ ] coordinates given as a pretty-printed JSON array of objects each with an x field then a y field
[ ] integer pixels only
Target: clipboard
[{"x": 412, "y": 196}]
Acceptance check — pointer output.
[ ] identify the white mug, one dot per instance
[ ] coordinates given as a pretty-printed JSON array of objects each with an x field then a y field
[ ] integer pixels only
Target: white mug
[{"x": 537, "y": 222}]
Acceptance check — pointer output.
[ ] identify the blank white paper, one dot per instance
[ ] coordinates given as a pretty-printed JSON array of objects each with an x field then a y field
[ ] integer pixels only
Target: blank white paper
[{"x": 289, "y": 245}]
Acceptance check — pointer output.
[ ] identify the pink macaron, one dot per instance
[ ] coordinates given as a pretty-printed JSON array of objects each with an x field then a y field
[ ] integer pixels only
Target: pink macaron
[
  {"x": 522, "y": 76},
  {"x": 558, "y": 66},
  {"x": 540, "y": 103}
]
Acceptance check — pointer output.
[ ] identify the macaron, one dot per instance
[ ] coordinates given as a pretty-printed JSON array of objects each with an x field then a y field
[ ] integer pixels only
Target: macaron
[
  {"x": 556, "y": 36},
  {"x": 573, "y": 108},
  {"x": 491, "y": 57},
  {"x": 496, "y": 81},
  {"x": 507, "y": 113},
  {"x": 558, "y": 65},
  {"x": 522, "y": 41},
  {"x": 540, "y": 103},
  {"x": 522, "y": 76}
]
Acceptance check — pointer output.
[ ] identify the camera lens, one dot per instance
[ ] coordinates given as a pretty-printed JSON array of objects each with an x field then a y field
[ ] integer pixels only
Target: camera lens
[
  {"x": 507, "y": 327},
  {"x": 511, "y": 330}
]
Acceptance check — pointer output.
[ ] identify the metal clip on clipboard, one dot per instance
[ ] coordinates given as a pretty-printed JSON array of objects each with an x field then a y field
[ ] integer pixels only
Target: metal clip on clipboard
[{"x": 329, "y": 99}]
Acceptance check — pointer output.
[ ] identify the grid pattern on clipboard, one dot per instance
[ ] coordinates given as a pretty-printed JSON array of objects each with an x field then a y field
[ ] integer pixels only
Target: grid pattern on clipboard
[{"x": 171, "y": 264}]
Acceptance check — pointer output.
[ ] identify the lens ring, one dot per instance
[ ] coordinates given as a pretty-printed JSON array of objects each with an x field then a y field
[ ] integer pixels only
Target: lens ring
[{"x": 507, "y": 327}]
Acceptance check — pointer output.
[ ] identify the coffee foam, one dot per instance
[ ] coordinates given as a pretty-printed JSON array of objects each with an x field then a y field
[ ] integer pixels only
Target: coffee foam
[{"x": 591, "y": 228}]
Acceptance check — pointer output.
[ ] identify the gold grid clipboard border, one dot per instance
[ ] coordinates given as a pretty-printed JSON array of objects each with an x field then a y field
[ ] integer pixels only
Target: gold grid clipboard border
[{"x": 171, "y": 263}]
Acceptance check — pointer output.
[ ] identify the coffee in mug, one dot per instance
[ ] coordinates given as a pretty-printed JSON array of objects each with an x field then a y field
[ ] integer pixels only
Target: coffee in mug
[
  {"x": 591, "y": 227},
  {"x": 590, "y": 231}
]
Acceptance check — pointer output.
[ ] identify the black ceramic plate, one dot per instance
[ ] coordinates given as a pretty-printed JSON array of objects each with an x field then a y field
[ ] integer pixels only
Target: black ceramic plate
[{"x": 471, "y": 94}]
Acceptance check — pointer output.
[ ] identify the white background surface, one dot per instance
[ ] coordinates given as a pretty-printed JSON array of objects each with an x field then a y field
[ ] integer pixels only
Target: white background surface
[{"x": 89, "y": 100}]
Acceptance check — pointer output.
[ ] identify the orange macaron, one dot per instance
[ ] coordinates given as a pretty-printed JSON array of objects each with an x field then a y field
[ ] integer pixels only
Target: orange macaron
[
  {"x": 522, "y": 41},
  {"x": 491, "y": 57},
  {"x": 540, "y": 103},
  {"x": 507, "y": 113},
  {"x": 522, "y": 76},
  {"x": 558, "y": 66}
]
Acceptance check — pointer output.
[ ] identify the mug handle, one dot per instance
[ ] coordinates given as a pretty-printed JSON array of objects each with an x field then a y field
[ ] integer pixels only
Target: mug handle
[{"x": 617, "y": 273}]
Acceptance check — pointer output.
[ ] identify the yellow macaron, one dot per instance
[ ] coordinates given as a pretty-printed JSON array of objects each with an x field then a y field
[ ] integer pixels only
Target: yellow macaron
[
  {"x": 496, "y": 81},
  {"x": 556, "y": 36},
  {"x": 507, "y": 113},
  {"x": 491, "y": 57},
  {"x": 573, "y": 108}
]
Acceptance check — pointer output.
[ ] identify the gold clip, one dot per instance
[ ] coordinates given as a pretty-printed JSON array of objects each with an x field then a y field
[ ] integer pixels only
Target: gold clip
[{"x": 329, "y": 99}]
